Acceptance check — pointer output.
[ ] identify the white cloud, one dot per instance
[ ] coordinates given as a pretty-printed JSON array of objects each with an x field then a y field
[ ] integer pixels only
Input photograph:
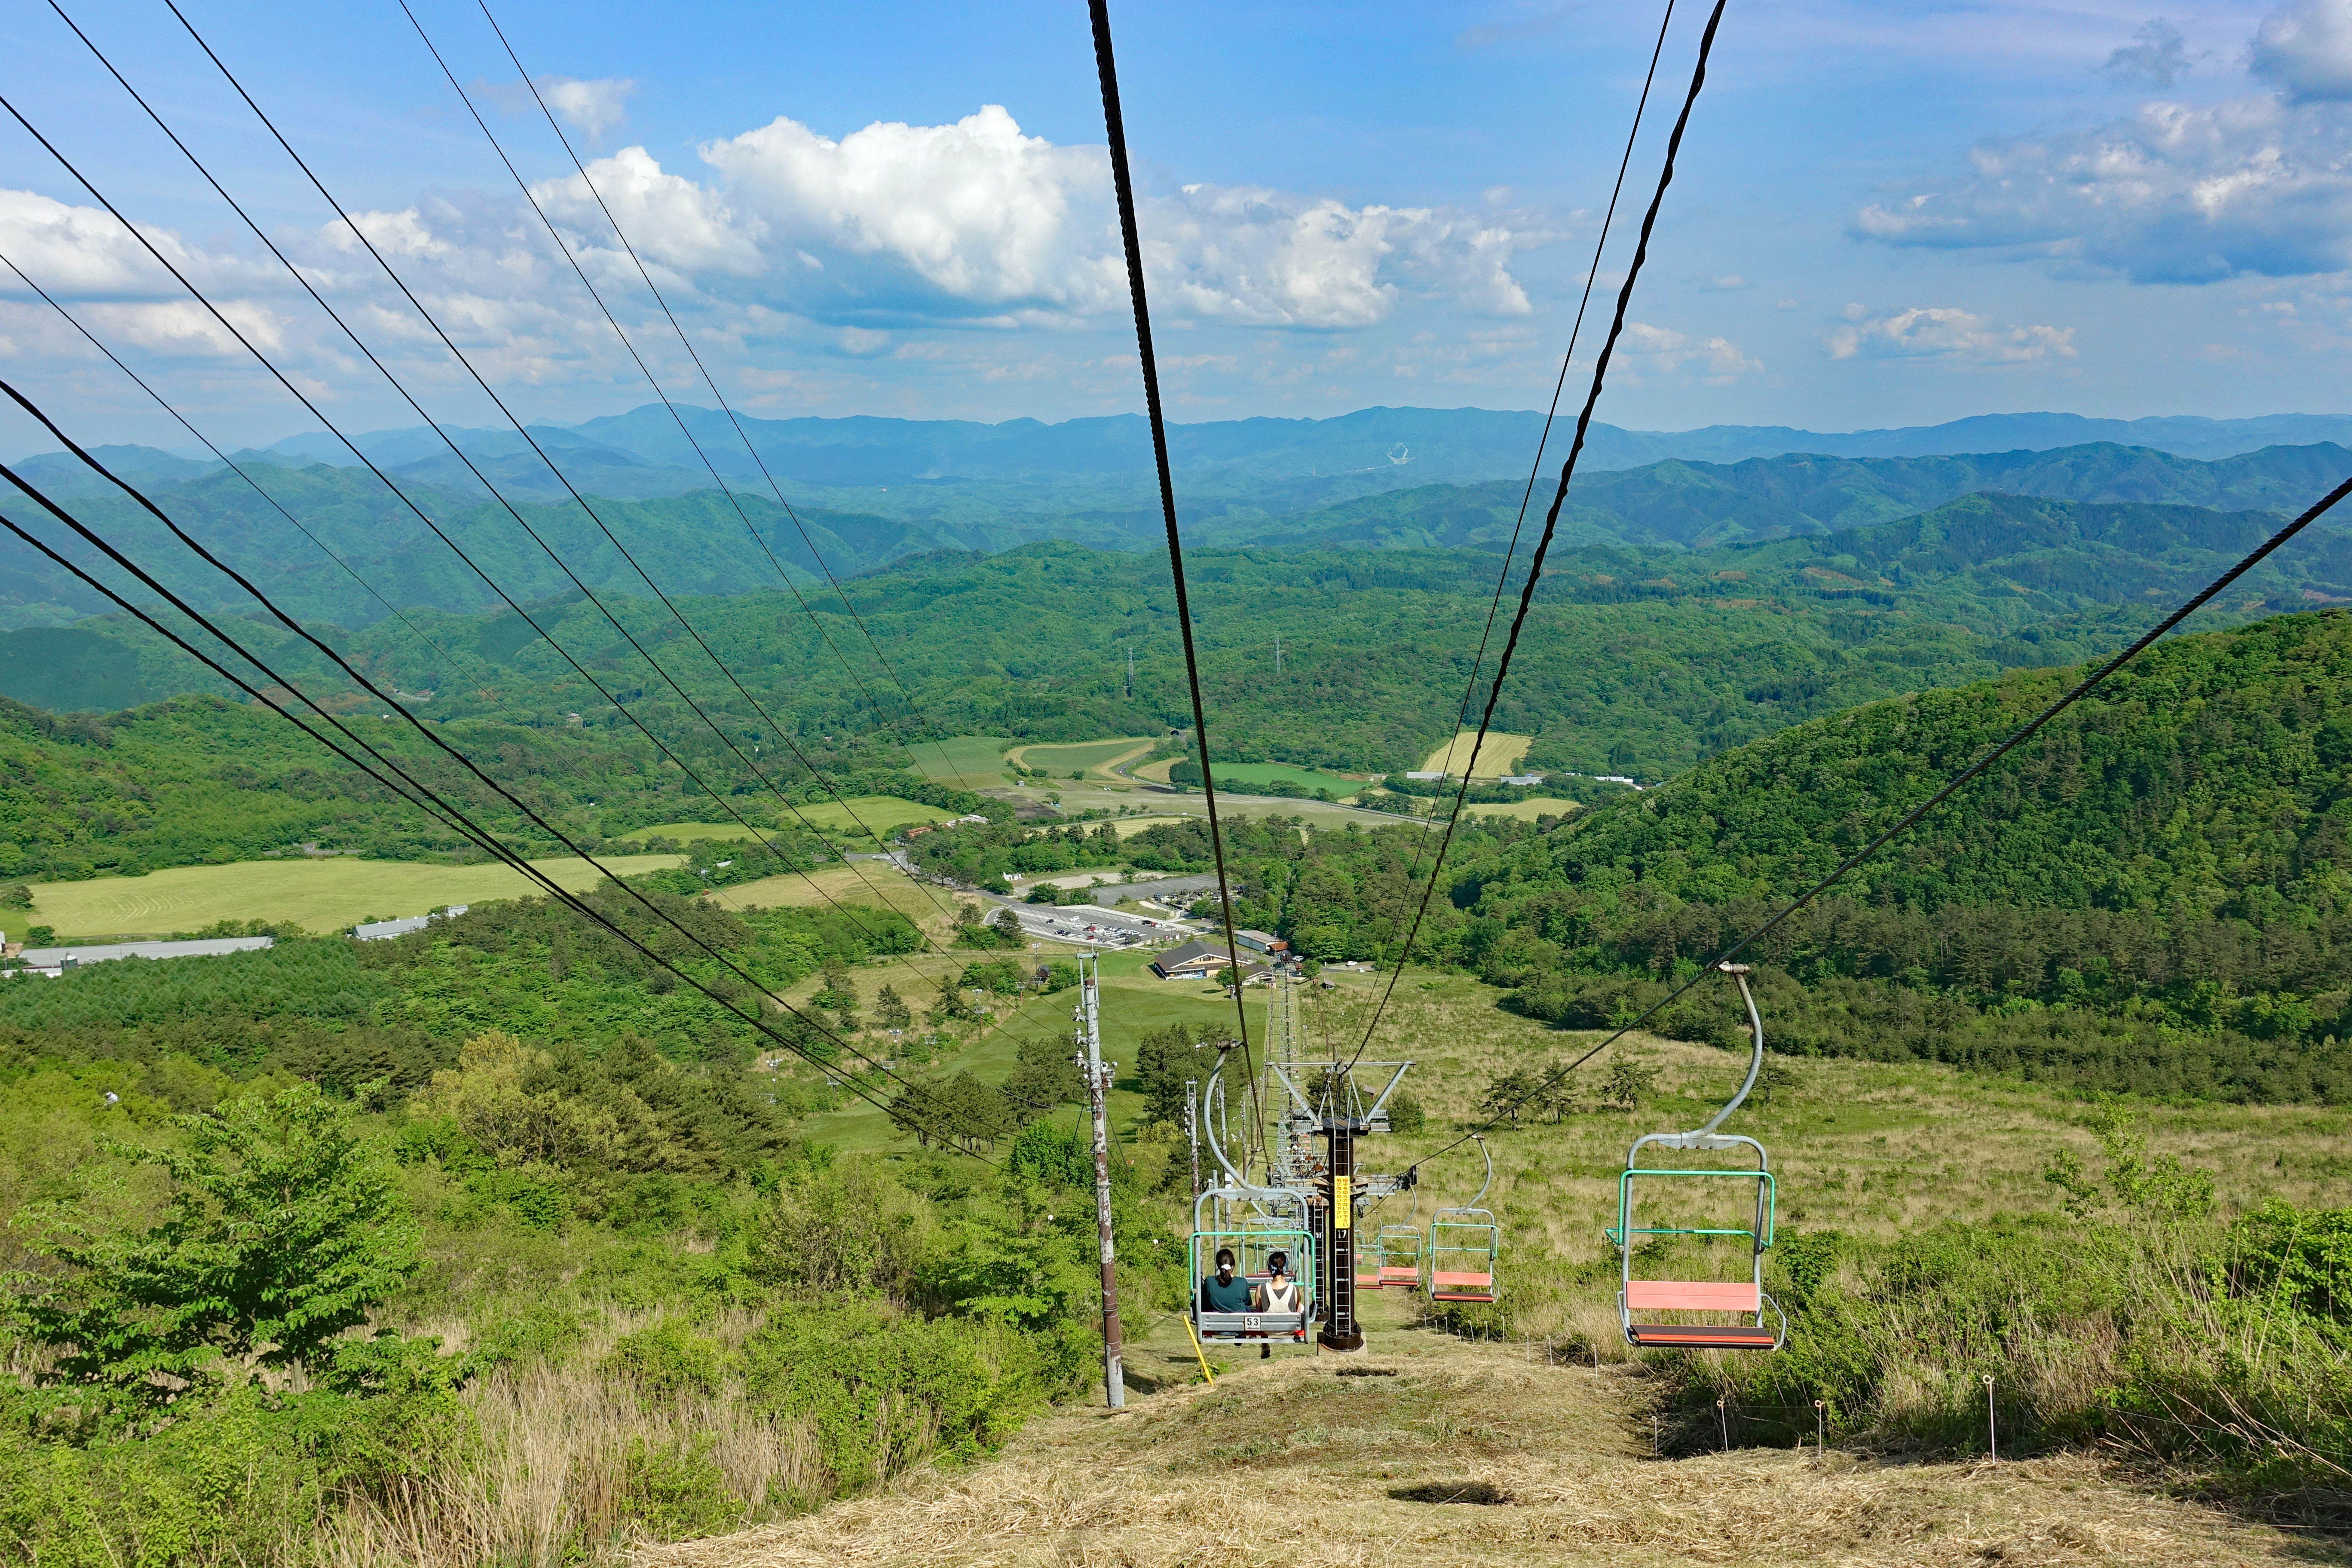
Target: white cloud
[
  {"x": 2305, "y": 46},
  {"x": 979, "y": 213},
  {"x": 2159, "y": 58},
  {"x": 403, "y": 232},
  {"x": 2176, "y": 192},
  {"x": 976, "y": 210},
  {"x": 668, "y": 218},
  {"x": 1943, "y": 332},
  {"x": 81, "y": 250},
  {"x": 592, "y": 106},
  {"x": 1669, "y": 351}
]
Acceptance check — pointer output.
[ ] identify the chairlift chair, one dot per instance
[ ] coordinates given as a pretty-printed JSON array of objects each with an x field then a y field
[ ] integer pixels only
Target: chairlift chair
[
  {"x": 1458, "y": 1262},
  {"x": 1398, "y": 1248},
  {"x": 1256, "y": 1223},
  {"x": 1741, "y": 1300}
]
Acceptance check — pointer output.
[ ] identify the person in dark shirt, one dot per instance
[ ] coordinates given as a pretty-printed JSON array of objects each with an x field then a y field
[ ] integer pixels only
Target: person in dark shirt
[{"x": 1225, "y": 1291}]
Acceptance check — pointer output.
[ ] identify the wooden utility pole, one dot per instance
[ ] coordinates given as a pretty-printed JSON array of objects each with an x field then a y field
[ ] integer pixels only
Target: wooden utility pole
[
  {"x": 1193, "y": 1130},
  {"x": 1097, "y": 1089}
]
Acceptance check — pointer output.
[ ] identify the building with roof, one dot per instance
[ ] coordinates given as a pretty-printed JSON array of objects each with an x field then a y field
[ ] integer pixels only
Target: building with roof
[
  {"x": 1261, "y": 942},
  {"x": 384, "y": 930},
  {"x": 1199, "y": 961},
  {"x": 52, "y": 961}
]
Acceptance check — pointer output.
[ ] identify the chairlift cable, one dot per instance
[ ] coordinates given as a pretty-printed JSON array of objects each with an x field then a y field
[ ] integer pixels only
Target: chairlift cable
[
  {"x": 482, "y": 836},
  {"x": 358, "y": 233},
  {"x": 213, "y": 448},
  {"x": 1559, "y": 495},
  {"x": 653, "y": 381},
  {"x": 937, "y": 741},
  {"x": 197, "y": 547},
  {"x": 2015, "y": 738},
  {"x": 663, "y": 748},
  {"x": 1576, "y": 329},
  {"x": 1114, "y": 128}
]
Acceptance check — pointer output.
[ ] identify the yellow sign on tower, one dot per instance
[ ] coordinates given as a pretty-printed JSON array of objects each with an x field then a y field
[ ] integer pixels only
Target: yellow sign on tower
[{"x": 1342, "y": 1208}]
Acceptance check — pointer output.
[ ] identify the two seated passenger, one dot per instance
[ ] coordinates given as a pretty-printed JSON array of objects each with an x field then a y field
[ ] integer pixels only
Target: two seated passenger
[{"x": 1225, "y": 1291}]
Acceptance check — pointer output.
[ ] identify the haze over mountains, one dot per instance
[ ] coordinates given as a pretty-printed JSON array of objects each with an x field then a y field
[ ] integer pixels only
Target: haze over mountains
[{"x": 2047, "y": 531}]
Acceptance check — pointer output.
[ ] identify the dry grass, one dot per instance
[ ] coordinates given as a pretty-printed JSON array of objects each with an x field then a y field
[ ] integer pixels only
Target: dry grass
[
  {"x": 559, "y": 1469},
  {"x": 1287, "y": 1462},
  {"x": 1500, "y": 755}
]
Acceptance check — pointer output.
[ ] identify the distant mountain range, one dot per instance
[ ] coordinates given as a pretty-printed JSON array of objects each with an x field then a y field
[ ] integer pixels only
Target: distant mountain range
[
  {"x": 866, "y": 492},
  {"x": 923, "y": 468}
]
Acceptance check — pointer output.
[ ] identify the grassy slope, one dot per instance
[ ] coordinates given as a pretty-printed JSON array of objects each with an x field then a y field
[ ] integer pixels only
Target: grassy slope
[
  {"x": 1291, "y": 1460},
  {"x": 317, "y": 895},
  {"x": 1287, "y": 1463}
]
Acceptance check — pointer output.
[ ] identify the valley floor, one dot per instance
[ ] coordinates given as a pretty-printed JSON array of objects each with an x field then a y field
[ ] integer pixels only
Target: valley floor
[{"x": 1315, "y": 1459}]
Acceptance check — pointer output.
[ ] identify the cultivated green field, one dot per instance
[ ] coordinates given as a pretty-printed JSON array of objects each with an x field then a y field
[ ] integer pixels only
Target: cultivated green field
[
  {"x": 1094, "y": 756},
  {"x": 688, "y": 832},
  {"x": 1498, "y": 757},
  {"x": 962, "y": 761},
  {"x": 877, "y": 813},
  {"x": 1241, "y": 775},
  {"x": 317, "y": 895},
  {"x": 1526, "y": 810}
]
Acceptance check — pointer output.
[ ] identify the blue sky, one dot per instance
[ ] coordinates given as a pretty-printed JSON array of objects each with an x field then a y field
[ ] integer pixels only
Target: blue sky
[{"x": 1886, "y": 214}]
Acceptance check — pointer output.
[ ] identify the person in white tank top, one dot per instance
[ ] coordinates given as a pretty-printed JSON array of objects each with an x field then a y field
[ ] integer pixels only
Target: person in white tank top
[{"x": 1278, "y": 1294}]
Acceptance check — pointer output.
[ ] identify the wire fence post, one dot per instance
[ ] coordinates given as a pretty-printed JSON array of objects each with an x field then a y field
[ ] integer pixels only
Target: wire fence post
[
  {"x": 1992, "y": 1433},
  {"x": 1820, "y": 1430},
  {"x": 1723, "y": 1419}
]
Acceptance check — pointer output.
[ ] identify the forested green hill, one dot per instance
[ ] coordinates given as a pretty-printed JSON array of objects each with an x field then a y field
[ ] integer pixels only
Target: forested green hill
[{"x": 2152, "y": 893}]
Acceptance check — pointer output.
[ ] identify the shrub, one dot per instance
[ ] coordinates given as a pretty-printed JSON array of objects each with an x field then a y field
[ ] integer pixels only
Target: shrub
[{"x": 665, "y": 1360}]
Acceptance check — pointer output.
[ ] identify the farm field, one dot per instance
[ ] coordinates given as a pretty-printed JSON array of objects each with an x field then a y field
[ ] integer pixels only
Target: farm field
[
  {"x": 870, "y": 882},
  {"x": 1241, "y": 776},
  {"x": 317, "y": 895},
  {"x": 688, "y": 832},
  {"x": 962, "y": 761},
  {"x": 877, "y": 813},
  {"x": 1526, "y": 810},
  {"x": 1094, "y": 757},
  {"x": 1498, "y": 757}
]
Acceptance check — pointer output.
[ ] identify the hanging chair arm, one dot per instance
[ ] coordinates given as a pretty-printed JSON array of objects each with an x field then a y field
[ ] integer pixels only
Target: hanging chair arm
[{"x": 1739, "y": 972}]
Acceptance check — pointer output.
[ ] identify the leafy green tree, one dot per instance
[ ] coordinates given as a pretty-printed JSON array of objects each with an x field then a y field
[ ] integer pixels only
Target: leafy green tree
[
  {"x": 281, "y": 1230},
  {"x": 1164, "y": 1062},
  {"x": 1505, "y": 1095},
  {"x": 890, "y": 1009},
  {"x": 1632, "y": 1079}
]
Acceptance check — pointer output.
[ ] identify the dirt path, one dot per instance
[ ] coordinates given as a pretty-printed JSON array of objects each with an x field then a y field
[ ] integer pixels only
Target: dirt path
[{"x": 1321, "y": 1460}]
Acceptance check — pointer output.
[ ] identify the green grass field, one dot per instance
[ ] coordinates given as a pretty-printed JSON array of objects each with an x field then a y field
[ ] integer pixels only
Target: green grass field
[
  {"x": 1498, "y": 757},
  {"x": 688, "y": 832},
  {"x": 317, "y": 895},
  {"x": 1241, "y": 775},
  {"x": 1525, "y": 810},
  {"x": 1061, "y": 760},
  {"x": 879, "y": 813},
  {"x": 882, "y": 813},
  {"x": 962, "y": 761}
]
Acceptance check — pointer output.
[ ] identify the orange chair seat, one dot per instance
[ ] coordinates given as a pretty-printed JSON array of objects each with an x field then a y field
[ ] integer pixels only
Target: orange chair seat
[
  {"x": 1404, "y": 1278},
  {"x": 1444, "y": 1287}
]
